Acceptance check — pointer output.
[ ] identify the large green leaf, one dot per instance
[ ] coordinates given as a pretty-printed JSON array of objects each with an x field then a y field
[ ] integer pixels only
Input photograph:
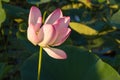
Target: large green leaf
[
  {"x": 39, "y": 1},
  {"x": 86, "y": 2},
  {"x": 1, "y": 69},
  {"x": 116, "y": 18},
  {"x": 101, "y": 1},
  {"x": 15, "y": 12},
  {"x": 6, "y": 0},
  {"x": 4, "y": 69},
  {"x": 83, "y": 29},
  {"x": 79, "y": 65},
  {"x": 114, "y": 1},
  {"x": 2, "y": 14}
]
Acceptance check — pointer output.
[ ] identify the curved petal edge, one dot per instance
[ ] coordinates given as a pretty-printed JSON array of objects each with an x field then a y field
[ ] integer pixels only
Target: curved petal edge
[{"x": 56, "y": 53}]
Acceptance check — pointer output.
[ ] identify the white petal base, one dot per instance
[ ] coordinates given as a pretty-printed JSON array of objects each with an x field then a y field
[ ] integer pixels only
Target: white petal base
[{"x": 56, "y": 53}]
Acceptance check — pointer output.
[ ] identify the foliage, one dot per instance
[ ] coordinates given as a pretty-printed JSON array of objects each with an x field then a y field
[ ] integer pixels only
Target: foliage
[
  {"x": 93, "y": 47},
  {"x": 82, "y": 65}
]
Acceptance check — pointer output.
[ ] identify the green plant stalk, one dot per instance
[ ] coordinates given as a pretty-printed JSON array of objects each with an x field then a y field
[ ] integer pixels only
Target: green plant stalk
[
  {"x": 39, "y": 63},
  {"x": 44, "y": 16}
]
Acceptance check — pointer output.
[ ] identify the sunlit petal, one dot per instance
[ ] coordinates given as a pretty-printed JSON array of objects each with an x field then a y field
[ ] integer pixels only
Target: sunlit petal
[
  {"x": 55, "y": 15},
  {"x": 31, "y": 34},
  {"x": 61, "y": 29},
  {"x": 56, "y": 53},
  {"x": 40, "y": 35},
  {"x": 34, "y": 15},
  {"x": 62, "y": 22},
  {"x": 49, "y": 33},
  {"x": 38, "y": 24},
  {"x": 62, "y": 36}
]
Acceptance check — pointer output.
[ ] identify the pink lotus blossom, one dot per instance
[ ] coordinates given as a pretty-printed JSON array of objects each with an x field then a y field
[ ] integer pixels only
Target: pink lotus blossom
[{"x": 52, "y": 33}]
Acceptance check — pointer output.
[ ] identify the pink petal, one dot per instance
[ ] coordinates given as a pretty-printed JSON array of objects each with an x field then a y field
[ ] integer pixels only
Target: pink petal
[
  {"x": 38, "y": 24},
  {"x": 54, "y": 38},
  {"x": 63, "y": 35},
  {"x": 62, "y": 22},
  {"x": 49, "y": 33},
  {"x": 56, "y": 53},
  {"x": 31, "y": 34},
  {"x": 55, "y": 15},
  {"x": 40, "y": 35},
  {"x": 62, "y": 30},
  {"x": 35, "y": 16},
  {"x": 59, "y": 25}
]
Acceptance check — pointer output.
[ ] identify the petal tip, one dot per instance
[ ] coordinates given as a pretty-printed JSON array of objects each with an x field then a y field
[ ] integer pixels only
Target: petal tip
[
  {"x": 58, "y": 9},
  {"x": 33, "y": 7},
  {"x": 56, "y": 53},
  {"x": 65, "y": 57}
]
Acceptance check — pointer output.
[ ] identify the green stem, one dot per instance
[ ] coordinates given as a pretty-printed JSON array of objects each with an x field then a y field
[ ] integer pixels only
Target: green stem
[
  {"x": 39, "y": 63},
  {"x": 44, "y": 16},
  {"x": 37, "y": 5}
]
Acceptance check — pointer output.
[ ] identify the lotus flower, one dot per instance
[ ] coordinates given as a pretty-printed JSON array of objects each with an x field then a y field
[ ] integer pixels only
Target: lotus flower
[{"x": 52, "y": 33}]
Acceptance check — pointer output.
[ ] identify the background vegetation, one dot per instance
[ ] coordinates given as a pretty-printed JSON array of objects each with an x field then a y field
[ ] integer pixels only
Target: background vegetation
[{"x": 93, "y": 47}]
